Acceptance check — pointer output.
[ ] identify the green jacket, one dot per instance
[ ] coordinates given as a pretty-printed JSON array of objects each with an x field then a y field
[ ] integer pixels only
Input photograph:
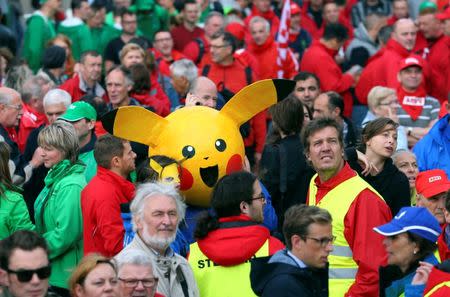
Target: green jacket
[
  {"x": 102, "y": 36},
  {"x": 13, "y": 213},
  {"x": 58, "y": 218},
  {"x": 91, "y": 165},
  {"x": 39, "y": 31},
  {"x": 154, "y": 18},
  {"x": 79, "y": 33}
]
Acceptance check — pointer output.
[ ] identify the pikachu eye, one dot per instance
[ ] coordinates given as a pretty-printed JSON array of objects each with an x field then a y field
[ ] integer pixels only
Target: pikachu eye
[
  {"x": 188, "y": 151},
  {"x": 220, "y": 145}
]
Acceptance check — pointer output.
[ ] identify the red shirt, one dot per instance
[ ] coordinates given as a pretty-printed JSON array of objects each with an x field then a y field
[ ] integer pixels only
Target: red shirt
[
  {"x": 182, "y": 36},
  {"x": 163, "y": 64},
  {"x": 366, "y": 212},
  {"x": 103, "y": 229},
  {"x": 319, "y": 60},
  {"x": 30, "y": 120}
]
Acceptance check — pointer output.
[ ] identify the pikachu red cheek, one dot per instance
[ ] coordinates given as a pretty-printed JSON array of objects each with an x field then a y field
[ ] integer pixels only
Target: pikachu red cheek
[
  {"x": 234, "y": 164},
  {"x": 186, "y": 179}
]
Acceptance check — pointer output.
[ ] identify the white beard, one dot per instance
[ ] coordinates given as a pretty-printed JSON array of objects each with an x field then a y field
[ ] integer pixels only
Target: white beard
[{"x": 156, "y": 242}]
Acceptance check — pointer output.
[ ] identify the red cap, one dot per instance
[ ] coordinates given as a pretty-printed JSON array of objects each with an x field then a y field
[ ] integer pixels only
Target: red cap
[
  {"x": 411, "y": 61},
  {"x": 236, "y": 29},
  {"x": 445, "y": 15},
  {"x": 295, "y": 9},
  {"x": 432, "y": 182}
]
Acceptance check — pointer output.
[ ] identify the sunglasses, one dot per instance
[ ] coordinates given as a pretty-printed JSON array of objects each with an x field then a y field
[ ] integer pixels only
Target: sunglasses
[{"x": 24, "y": 275}]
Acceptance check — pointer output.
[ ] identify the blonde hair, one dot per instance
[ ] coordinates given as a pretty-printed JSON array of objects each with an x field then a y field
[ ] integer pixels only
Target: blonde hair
[
  {"x": 377, "y": 94},
  {"x": 131, "y": 47},
  {"x": 63, "y": 137}
]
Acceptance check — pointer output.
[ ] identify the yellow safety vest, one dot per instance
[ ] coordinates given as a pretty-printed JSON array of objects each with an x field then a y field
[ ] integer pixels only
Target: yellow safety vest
[
  {"x": 342, "y": 268},
  {"x": 219, "y": 281},
  {"x": 437, "y": 287},
  {"x": 437, "y": 255}
]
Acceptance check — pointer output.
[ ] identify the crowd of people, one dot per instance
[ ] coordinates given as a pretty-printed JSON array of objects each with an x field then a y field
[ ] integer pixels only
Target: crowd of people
[{"x": 344, "y": 189}]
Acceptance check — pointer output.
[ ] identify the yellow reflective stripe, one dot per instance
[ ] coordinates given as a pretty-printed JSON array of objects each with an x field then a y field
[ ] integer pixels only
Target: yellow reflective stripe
[{"x": 437, "y": 287}]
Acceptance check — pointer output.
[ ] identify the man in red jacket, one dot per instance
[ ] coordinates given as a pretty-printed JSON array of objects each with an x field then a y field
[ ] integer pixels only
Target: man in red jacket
[
  {"x": 319, "y": 59},
  {"x": 103, "y": 229},
  {"x": 437, "y": 53},
  {"x": 262, "y": 8},
  {"x": 383, "y": 67},
  {"x": 264, "y": 48},
  {"x": 165, "y": 55}
]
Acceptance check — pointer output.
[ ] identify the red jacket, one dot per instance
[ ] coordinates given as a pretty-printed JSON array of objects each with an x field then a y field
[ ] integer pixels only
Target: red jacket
[
  {"x": 439, "y": 64},
  {"x": 30, "y": 120},
  {"x": 103, "y": 229},
  {"x": 319, "y": 60},
  {"x": 72, "y": 86},
  {"x": 163, "y": 65},
  {"x": 192, "y": 51},
  {"x": 366, "y": 211},
  {"x": 435, "y": 278},
  {"x": 269, "y": 52},
  {"x": 381, "y": 70},
  {"x": 444, "y": 251}
]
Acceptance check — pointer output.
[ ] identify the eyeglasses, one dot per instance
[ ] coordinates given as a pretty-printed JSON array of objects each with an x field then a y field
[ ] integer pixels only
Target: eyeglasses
[
  {"x": 24, "y": 275},
  {"x": 260, "y": 196},
  {"x": 324, "y": 241},
  {"x": 163, "y": 39},
  {"x": 219, "y": 46},
  {"x": 16, "y": 107},
  {"x": 147, "y": 282}
]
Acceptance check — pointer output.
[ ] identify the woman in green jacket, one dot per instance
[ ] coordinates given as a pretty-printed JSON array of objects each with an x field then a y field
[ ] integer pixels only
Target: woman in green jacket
[
  {"x": 13, "y": 210},
  {"x": 57, "y": 208}
]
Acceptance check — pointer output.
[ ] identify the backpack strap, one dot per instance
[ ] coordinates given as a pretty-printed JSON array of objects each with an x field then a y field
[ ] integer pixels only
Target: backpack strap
[
  {"x": 206, "y": 69},
  {"x": 201, "y": 50}
]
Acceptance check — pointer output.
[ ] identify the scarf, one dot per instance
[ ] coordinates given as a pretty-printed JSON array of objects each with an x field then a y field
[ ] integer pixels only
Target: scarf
[{"x": 412, "y": 102}]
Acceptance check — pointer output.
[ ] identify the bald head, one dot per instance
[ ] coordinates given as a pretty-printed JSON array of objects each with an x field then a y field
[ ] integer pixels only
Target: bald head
[
  {"x": 205, "y": 91},
  {"x": 10, "y": 107},
  {"x": 404, "y": 32}
]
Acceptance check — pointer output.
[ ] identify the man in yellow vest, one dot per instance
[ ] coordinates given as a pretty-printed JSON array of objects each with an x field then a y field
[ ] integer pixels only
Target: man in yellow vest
[
  {"x": 355, "y": 207},
  {"x": 227, "y": 240}
]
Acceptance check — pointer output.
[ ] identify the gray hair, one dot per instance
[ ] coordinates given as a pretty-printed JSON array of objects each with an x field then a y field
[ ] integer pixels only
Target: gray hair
[
  {"x": 16, "y": 76},
  {"x": 146, "y": 191},
  {"x": 61, "y": 136},
  {"x": 128, "y": 80},
  {"x": 186, "y": 68},
  {"x": 32, "y": 88},
  {"x": 57, "y": 96},
  {"x": 258, "y": 19},
  {"x": 212, "y": 14},
  {"x": 7, "y": 97},
  {"x": 133, "y": 257},
  {"x": 377, "y": 94},
  {"x": 399, "y": 152}
]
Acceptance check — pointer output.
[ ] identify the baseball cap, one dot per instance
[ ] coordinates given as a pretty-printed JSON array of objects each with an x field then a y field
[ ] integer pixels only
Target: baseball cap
[
  {"x": 445, "y": 15},
  {"x": 427, "y": 5},
  {"x": 295, "y": 9},
  {"x": 417, "y": 220},
  {"x": 79, "y": 110},
  {"x": 432, "y": 182},
  {"x": 410, "y": 61}
]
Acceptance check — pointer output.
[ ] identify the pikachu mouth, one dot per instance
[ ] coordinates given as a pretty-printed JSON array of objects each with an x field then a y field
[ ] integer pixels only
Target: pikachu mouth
[{"x": 210, "y": 175}]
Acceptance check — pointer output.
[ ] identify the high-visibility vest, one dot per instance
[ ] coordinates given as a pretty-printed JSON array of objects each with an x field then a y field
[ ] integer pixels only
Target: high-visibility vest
[
  {"x": 437, "y": 255},
  {"x": 222, "y": 281},
  {"x": 437, "y": 287},
  {"x": 342, "y": 268}
]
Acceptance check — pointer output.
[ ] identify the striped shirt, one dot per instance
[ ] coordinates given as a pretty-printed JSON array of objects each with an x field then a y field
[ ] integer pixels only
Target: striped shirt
[{"x": 429, "y": 113}]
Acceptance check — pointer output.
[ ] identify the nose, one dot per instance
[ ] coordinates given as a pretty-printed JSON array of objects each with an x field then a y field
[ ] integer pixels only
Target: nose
[
  {"x": 140, "y": 286},
  {"x": 34, "y": 279}
]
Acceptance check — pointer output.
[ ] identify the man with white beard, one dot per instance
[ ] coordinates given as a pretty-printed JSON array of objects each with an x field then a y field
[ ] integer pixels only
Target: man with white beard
[{"x": 157, "y": 209}]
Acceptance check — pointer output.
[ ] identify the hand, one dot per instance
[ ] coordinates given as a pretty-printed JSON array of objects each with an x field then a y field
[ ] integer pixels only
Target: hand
[
  {"x": 366, "y": 165},
  {"x": 392, "y": 115},
  {"x": 37, "y": 159},
  {"x": 192, "y": 100},
  {"x": 422, "y": 273}
]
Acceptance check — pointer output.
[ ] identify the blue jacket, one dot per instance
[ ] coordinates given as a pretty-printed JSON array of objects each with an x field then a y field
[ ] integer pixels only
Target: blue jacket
[
  {"x": 281, "y": 276},
  {"x": 433, "y": 150}
]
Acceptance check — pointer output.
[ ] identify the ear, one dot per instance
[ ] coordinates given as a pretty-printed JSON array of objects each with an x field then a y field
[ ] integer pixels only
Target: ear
[
  {"x": 128, "y": 122},
  {"x": 295, "y": 240},
  {"x": 255, "y": 98},
  {"x": 79, "y": 291},
  {"x": 244, "y": 207},
  {"x": 91, "y": 124}
]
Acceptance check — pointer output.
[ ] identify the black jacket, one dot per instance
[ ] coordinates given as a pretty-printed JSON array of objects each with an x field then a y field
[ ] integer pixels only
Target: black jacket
[
  {"x": 391, "y": 183},
  {"x": 282, "y": 277}
]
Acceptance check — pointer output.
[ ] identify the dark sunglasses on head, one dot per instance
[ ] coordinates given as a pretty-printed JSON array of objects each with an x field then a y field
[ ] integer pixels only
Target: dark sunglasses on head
[{"x": 24, "y": 275}]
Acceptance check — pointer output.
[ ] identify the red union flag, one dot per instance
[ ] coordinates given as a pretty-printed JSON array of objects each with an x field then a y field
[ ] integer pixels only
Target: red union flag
[{"x": 283, "y": 37}]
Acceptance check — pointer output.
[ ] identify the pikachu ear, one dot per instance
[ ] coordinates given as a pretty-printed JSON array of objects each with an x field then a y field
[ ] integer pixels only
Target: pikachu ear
[
  {"x": 134, "y": 123},
  {"x": 256, "y": 97}
]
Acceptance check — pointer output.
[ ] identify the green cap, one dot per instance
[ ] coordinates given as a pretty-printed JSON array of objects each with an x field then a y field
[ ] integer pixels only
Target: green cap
[
  {"x": 427, "y": 5},
  {"x": 144, "y": 4},
  {"x": 79, "y": 110}
]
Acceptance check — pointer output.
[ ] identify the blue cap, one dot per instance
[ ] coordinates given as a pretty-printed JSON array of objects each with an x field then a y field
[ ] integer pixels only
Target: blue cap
[{"x": 417, "y": 220}]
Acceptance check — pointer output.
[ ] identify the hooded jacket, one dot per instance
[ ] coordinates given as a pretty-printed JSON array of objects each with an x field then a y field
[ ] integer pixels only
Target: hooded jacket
[
  {"x": 433, "y": 150},
  {"x": 58, "y": 218},
  {"x": 80, "y": 35},
  {"x": 282, "y": 277},
  {"x": 362, "y": 40}
]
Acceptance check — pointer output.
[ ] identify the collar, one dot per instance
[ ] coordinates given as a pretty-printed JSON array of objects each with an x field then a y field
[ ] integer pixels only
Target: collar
[
  {"x": 90, "y": 145},
  {"x": 345, "y": 173},
  {"x": 98, "y": 90},
  {"x": 299, "y": 262}
]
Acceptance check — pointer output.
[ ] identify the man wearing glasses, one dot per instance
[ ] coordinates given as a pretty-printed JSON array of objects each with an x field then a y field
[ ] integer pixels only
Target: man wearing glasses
[
  {"x": 227, "y": 240},
  {"x": 355, "y": 207},
  {"x": 24, "y": 265},
  {"x": 301, "y": 268},
  {"x": 136, "y": 277}
]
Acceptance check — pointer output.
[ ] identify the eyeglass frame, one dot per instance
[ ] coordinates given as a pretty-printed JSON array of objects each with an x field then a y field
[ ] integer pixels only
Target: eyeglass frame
[
  {"x": 128, "y": 282},
  {"x": 323, "y": 242},
  {"x": 40, "y": 272},
  {"x": 260, "y": 196},
  {"x": 17, "y": 107}
]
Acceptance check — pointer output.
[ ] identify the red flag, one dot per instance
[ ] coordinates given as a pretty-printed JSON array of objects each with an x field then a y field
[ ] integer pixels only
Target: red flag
[{"x": 283, "y": 37}]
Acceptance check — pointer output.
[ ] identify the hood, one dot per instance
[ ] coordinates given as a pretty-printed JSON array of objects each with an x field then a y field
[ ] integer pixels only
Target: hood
[
  {"x": 253, "y": 47},
  {"x": 234, "y": 245},
  {"x": 71, "y": 24},
  {"x": 438, "y": 129},
  {"x": 397, "y": 47},
  {"x": 362, "y": 34},
  {"x": 62, "y": 169}
]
